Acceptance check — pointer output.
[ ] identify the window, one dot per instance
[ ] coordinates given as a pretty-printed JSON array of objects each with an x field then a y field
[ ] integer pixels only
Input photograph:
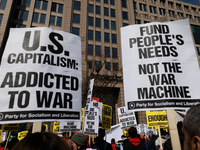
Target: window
[
  {"x": 37, "y": 4},
  {"x": 97, "y": 35},
  {"x": 27, "y": 3},
  {"x": 152, "y": 9},
  {"x": 89, "y": 64},
  {"x": 1, "y": 17},
  {"x": 90, "y": 21},
  {"x": 91, "y": 8},
  {"x": 77, "y": 5},
  {"x": 134, "y": 5},
  {"x": 180, "y": 15},
  {"x": 52, "y": 20},
  {"x": 115, "y": 67},
  {"x": 59, "y": 21},
  {"x": 106, "y": 24},
  {"x": 97, "y": 64},
  {"x": 98, "y": 1},
  {"x": 106, "y": 1},
  {"x": 171, "y": 13},
  {"x": 107, "y": 37},
  {"x": 90, "y": 34},
  {"x": 25, "y": 15},
  {"x": 112, "y": 11},
  {"x": 125, "y": 24},
  {"x": 3, "y": 4},
  {"x": 60, "y": 8},
  {"x": 90, "y": 49},
  {"x": 76, "y": 18},
  {"x": 113, "y": 25},
  {"x": 124, "y": 4},
  {"x": 98, "y": 10},
  {"x": 42, "y": 18},
  {"x": 138, "y": 21},
  {"x": 44, "y": 5},
  {"x": 107, "y": 52},
  {"x": 107, "y": 65},
  {"x": 189, "y": 16},
  {"x": 162, "y": 11},
  {"x": 97, "y": 50},
  {"x": 98, "y": 22},
  {"x": 114, "y": 53},
  {"x": 106, "y": 13},
  {"x": 57, "y": 7},
  {"x": 143, "y": 7},
  {"x": 196, "y": 33},
  {"x": 198, "y": 51},
  {"x": 112, "y": 2},
  {"x": 75, "y": 31},
  {"x": 35, "y": 17},
  {"x": 125, "y": 15},
  {"x": 114, "y": 38}
]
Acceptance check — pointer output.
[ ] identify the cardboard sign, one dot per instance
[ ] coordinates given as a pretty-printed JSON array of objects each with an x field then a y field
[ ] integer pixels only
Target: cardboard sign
[
  {"x": 41, "y": 76},
  {"x": 160, "y": 66},
  {"x": 22, "y": 135},
  {"x": 70, "y": 126},
  {"x": 91, "y": 124},
  {"x": 10, "y": 127},
  {"x": 126, "y": 119},
  {"x": 106, "y": 117},
  {"x": 156, "y": 118}
]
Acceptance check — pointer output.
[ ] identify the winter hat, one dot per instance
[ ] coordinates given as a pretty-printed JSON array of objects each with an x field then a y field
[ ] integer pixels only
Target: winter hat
[{"x": 80, "y": 139}]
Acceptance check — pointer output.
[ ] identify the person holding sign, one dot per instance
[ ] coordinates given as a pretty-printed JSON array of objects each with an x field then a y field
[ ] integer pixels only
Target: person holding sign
[
  {"x": 191, "y": 128},
  {"x": 134, "y": 142}
]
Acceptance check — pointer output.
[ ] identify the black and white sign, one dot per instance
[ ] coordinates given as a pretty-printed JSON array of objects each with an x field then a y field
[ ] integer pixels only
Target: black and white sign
[
  {"x": 126, "y": 119},
  {"x": 70, "y": 126},
  {"x": 160, "y": 67},
  {"x": 91, "y": 123},
  {"x": 41, "y": 77},
  {"x": 89, "y": 96}
]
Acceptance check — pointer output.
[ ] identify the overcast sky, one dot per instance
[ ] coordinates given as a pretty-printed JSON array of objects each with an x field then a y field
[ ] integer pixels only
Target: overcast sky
[{"x": 196, "y": 2}]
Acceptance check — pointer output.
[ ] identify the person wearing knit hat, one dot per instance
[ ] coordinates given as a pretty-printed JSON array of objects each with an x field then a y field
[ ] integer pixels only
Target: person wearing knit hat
[{"x": 78, "y": 142}]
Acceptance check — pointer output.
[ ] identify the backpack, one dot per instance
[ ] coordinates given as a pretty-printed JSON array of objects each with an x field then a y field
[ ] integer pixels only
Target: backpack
[{"x": 96, "y": 147}]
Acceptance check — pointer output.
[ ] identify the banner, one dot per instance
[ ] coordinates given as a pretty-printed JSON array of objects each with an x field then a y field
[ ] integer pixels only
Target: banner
[
  {"x": 91, "y": 123},
  {"x": 106, "y": 117},
  {"x": 41, "y": 76},
  {"x": 156, "y": 118},
  {"x": 160, "y": 66},
  {"x": 126, "y": 119},
  {"x": 56, "y": 126},
  {"x": 70, "y": 126}
]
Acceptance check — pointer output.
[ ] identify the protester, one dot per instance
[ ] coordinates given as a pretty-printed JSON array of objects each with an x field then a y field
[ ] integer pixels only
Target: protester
[
  {"x": 14, "y": 140},
  {"x": 152, "y": 145},
  {"x": 78, "y": 142},
  {"x": 114, "y": 145},
  {"x": 101, "y": 143},
  {"x": 142, "y": 138},
  {"x": 134, "y": 142},
  {"x": 163, "y": 139},
  {"x": 41, "y": 141},
  {"x": 191, "y": 128},
  {"x": 168, "y": 144}
]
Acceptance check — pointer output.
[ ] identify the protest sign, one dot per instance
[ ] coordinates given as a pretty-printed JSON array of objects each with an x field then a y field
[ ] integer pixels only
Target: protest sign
[
  {"x": 56, "y": 126},
  {"x": 70, "y": 126},
  {"x": 91, "y": 123},
  {"x": 141, "y": 129},
  {"x": 106, "y": 117},
  {"x": 21, "y": 135},
  {"x": 89, "y": 96},
  {"x": 100, "y": 108},
  {"x": 41, "y": 76},
  {"x": 3, "y": 136},
  {"x": 126, "y": 119},
  {"x": 10, "y": 127},
  {"x": 83, "y": 116},
  {"x": 156, "y": 118},
  {"x": 160, "y": 66}
]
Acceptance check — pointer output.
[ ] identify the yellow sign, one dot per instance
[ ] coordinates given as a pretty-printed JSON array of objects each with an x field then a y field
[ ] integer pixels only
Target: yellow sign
[
  {"x": 10, "y": 127},
  {"x": 21, "y": 135},
  {"x": 157, "y": 118},
  {"x": 0, "y": 135},
  {"x": 56, "y": 126},
  {"x": 106, "y": 116},
  {"x": 82, "y": 116}
]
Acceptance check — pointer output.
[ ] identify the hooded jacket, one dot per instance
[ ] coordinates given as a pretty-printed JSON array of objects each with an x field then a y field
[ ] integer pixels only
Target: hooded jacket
[{"x": 134, "y": 144}]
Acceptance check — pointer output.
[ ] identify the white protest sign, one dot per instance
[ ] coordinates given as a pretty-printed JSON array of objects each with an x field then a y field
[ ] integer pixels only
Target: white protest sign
[
  {"x": 99, "y": 106},
  {"x": 70, "y": 126},
  {"x": 126, "y": 119},
  {"x": 91, "y": 123},
  {"x": 41, "y": 77},
  {"x": 142, "y": 129},
  {"x": 89, "y": 96},
  {"x": 160, "y": 67}
]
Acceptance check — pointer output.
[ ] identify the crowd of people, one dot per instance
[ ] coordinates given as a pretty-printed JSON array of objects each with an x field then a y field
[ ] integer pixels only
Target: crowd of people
[{"x": 189, "y": 136}]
